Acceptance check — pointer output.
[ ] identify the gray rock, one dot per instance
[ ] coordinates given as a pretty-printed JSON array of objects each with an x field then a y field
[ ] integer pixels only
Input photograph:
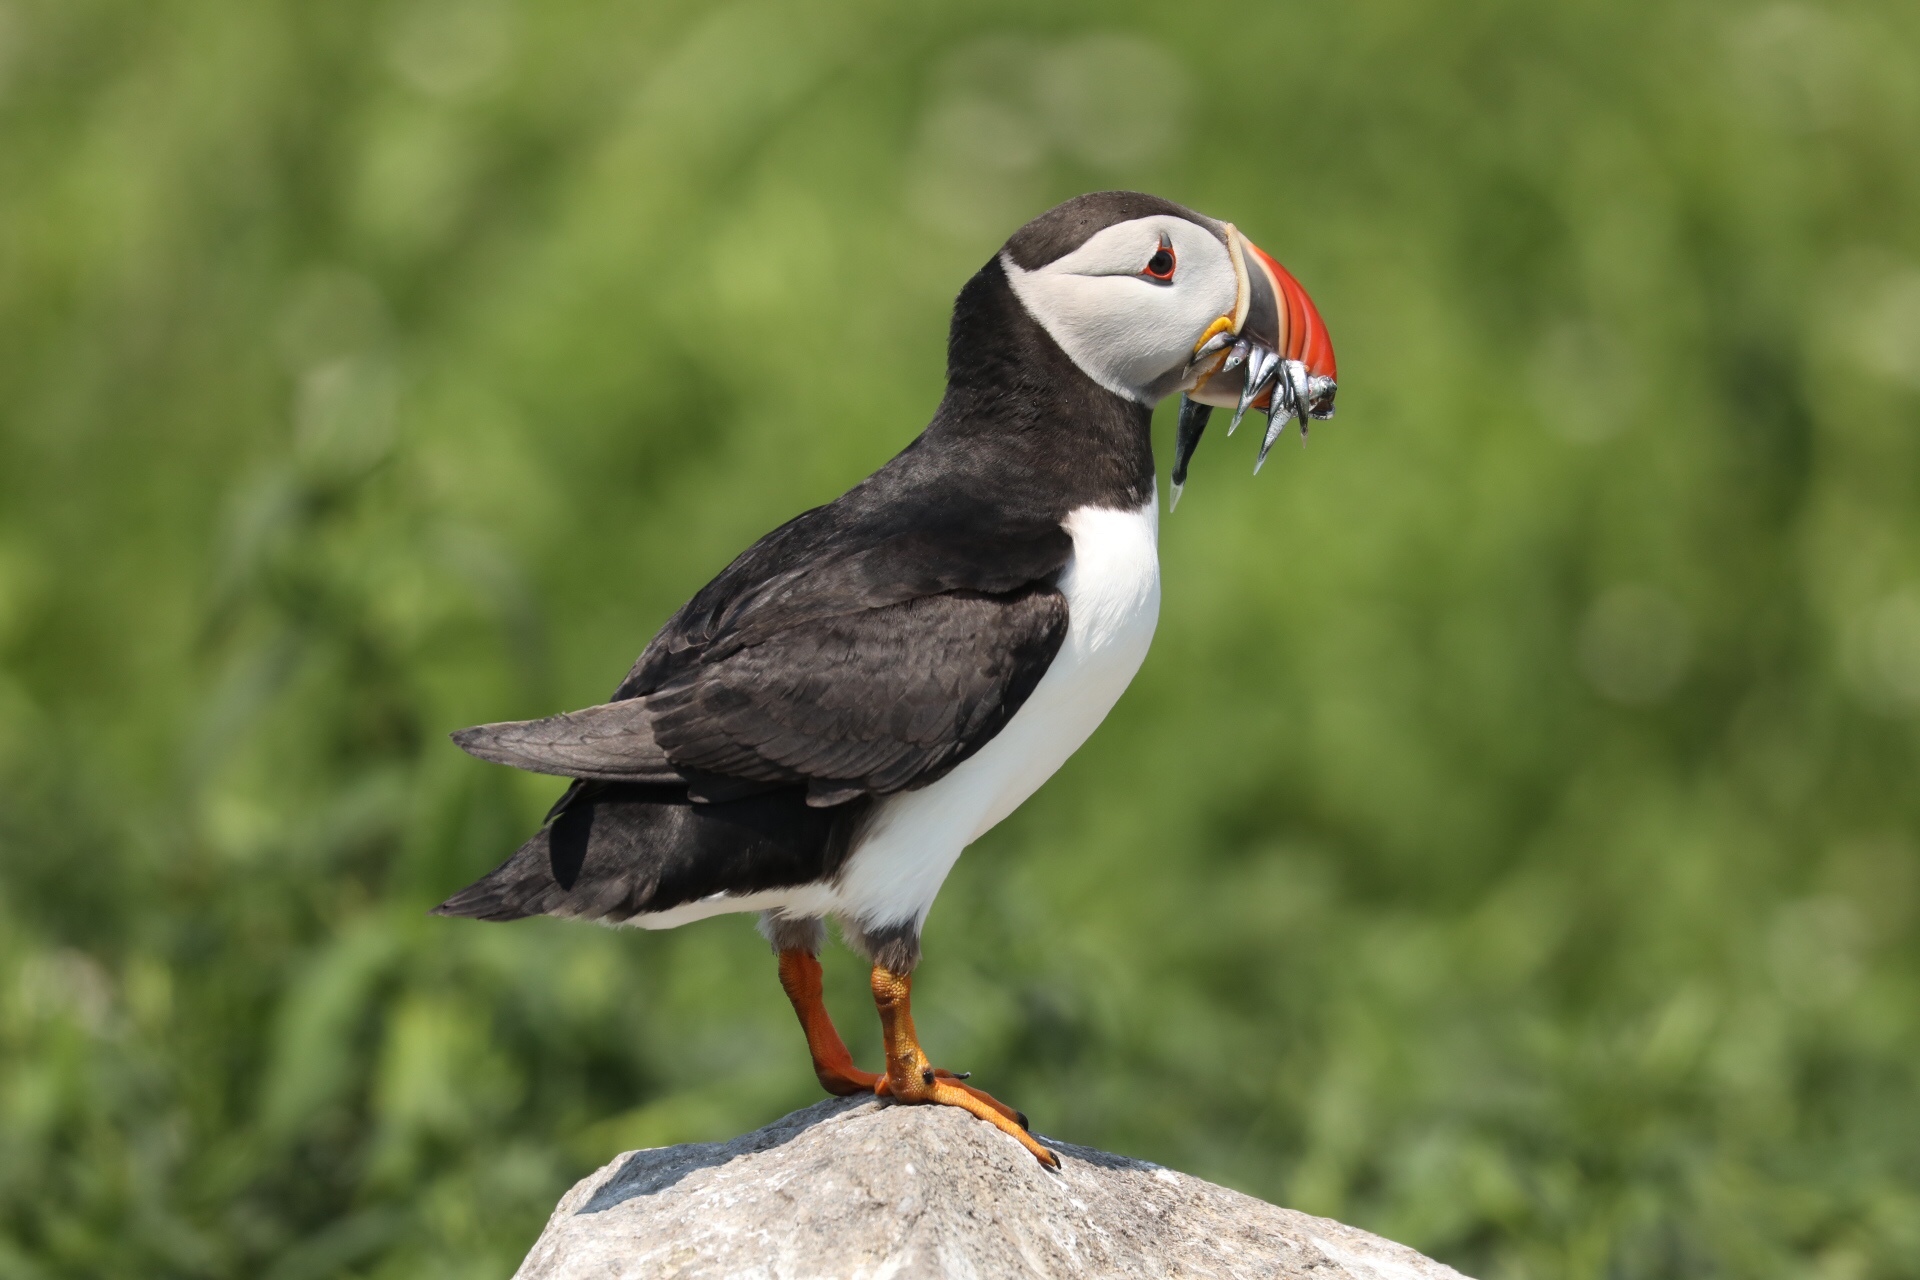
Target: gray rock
[{"x": 855, "y": 1189}]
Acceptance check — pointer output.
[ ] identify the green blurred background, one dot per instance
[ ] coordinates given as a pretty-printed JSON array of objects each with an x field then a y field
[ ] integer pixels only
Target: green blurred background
[{"x": 1510, "y": 845}]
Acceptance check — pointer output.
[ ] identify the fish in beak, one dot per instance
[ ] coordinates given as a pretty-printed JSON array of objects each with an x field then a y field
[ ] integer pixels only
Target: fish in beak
[{"x": 1272, "y": 353}]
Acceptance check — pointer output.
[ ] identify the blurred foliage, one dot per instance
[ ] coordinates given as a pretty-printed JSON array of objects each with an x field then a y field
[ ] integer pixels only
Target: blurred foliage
[{"x": 1509, "y": 846}]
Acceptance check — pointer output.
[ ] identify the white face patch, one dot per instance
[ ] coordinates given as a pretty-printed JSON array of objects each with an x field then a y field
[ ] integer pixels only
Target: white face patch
[{"x": 1126, "y": 330}]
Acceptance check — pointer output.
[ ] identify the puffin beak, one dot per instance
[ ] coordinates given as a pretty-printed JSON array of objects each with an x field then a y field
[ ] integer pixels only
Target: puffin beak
[{"x": 1272, "y": 353}]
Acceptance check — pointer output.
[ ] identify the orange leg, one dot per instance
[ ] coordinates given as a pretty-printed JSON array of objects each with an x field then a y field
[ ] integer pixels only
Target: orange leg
[
  {"x": 910, "y": 1078},
  {"x": 800, "y": 976}
]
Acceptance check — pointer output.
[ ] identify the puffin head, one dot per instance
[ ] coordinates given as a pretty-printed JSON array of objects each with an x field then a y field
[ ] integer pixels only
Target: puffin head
[{"x": 1149, "y": 298}]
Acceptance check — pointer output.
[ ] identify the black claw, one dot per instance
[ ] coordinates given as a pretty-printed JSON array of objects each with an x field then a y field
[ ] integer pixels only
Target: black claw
[
  {"x": 963, "y": 1075},
  {"x": 1021, "y": 1116}
]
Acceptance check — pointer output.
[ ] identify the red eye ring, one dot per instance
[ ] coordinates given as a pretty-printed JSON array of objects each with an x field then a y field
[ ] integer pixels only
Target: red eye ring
[{"x": 1160, "y": 266}]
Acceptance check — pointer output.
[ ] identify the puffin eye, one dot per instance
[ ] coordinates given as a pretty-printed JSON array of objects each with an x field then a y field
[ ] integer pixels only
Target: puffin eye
[{"x": 1160, "y": 265}]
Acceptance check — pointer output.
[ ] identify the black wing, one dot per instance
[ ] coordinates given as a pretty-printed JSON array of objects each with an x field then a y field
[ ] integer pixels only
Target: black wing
[
  {"x": 866, "y": 703},
  {"x": 832, "y": 563},
  {"x": 842, "y": 651}
]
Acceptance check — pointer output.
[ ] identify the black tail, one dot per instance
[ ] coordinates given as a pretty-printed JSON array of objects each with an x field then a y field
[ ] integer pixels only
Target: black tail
[{"x": 611, "y": 851}]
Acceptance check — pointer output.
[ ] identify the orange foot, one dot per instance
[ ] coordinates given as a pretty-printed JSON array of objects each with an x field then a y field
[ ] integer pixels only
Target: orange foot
[
  {"x": 800, "y": 976},
  {"x": 910, "y": 1078}
]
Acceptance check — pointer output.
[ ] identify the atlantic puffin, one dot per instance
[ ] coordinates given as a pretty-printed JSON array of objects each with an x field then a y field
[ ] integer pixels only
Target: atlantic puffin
[{"x": 869, "y": 688}]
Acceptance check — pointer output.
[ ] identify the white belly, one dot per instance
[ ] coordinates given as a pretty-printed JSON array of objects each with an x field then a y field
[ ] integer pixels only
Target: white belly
[{"x": 911, "y": 840}]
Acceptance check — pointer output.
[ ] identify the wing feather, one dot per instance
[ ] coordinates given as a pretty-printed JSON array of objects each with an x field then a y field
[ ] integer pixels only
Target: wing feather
[
  {"x": 613, "y": 742},
  {"x": 867, "y": 703},
  {"x": 859, "y": 650}
]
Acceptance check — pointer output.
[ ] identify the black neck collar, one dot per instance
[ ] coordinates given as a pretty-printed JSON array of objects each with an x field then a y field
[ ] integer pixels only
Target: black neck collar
[{"x": 1014, "y": 396}]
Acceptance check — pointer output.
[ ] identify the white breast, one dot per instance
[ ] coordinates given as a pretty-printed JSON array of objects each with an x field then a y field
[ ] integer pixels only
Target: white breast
[{"x": 1112, "y": 590}]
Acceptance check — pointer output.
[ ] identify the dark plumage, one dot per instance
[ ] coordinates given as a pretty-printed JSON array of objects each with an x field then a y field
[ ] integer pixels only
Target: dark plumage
[
  {"x": 863, "y": 648},
  {"x": 612, "y": 849},
  {"x": 827, "y": 724}
]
